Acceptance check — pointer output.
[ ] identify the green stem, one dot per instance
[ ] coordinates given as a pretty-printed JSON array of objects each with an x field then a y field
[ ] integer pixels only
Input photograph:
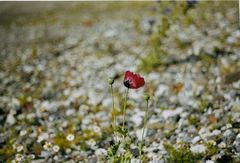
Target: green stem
[
  {"x": 144, "y": 127},
  {"x": 113, "y": 110},
  {"x": 124, "y": 107}
]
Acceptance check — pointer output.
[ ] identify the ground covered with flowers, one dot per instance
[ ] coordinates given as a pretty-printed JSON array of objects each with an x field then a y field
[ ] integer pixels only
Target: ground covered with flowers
[{"x": 56, "y": 59}]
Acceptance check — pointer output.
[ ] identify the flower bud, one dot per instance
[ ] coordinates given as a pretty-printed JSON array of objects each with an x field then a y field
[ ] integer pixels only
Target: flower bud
[
  {"x": 110, "y": 81},
  {"x": 146, "y": 97}
]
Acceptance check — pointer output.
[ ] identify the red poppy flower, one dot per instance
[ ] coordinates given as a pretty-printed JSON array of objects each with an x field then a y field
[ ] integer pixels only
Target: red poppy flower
[{"x": 132, "y": 80}]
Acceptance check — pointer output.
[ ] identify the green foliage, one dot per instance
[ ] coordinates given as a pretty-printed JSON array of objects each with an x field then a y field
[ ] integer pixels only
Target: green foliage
[
  {"x": 123, "y": 158},
  {"x": 167, "y": 134},
  {"x": 112, "y": 151},
  {"x": 163, "y": 107},
  {"x": 149, "y": 62},
  {"x": 156, "y": 54},
  {"x": 193, "y": 120},
  {"x": 211, "y": 149},
  {"x": 203, "y": 105},
  {"x": 61, "y": 141},
  {"x": 121, "y": 130},
  {"x": 171, "y": 34},
  {"x": 114, "y": 157},
  {"x": 6, "y": 152},
  {"x": 182, "y": 154}
]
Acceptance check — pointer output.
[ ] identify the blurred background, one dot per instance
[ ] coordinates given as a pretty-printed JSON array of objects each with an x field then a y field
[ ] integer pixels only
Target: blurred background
[{"x": 56, "y": 58}]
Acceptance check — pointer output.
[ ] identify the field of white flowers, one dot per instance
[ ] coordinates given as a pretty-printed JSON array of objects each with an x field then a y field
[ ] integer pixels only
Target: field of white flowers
[{"x": 66, "y": 95}]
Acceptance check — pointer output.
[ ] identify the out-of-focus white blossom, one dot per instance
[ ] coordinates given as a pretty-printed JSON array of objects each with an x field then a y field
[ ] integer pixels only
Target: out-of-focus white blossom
[{"x": 70, "y": 137}]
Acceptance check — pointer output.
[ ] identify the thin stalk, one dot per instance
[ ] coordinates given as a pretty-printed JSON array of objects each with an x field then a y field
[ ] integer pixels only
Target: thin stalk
[
  {"x": 144, "y": 128},
  {"x": 113, "y": 110},
  {"x": 122, "y": 159},
  {"x": 124, "y": 107}
]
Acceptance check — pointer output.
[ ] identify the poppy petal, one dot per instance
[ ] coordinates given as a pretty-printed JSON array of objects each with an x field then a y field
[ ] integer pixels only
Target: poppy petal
[{"x": 132, "y": 80}]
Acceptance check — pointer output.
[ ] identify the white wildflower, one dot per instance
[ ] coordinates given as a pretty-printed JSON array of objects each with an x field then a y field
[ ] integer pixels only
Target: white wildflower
[
  {"x": 23, "y": 132},
  {"x": 222, "y": 145},
  {"x": 19, "y": 148},
  {"x": 32, "y": 156},
  {"x": 97, "y": 129},
  {"x": 47, "y": 146},
  {"x": 56, "y": 148},
  {"x": 212, "y": 142},
  {"x": 198, "y": 148},
  {"x": 19, "y": 157},
  {"x": 100, "y": 152},
  {"x": 70, "y": 137},
  {"x": 209, "y": 161},
  {"x": 91, "y": 143}
]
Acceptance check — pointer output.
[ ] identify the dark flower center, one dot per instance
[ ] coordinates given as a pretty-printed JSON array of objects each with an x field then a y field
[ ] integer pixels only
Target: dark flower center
[{"x": 127, "y": 83}]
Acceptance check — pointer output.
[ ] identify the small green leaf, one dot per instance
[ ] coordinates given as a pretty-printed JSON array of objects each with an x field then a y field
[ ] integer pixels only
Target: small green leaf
[{"x": 122, "y": 130}]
